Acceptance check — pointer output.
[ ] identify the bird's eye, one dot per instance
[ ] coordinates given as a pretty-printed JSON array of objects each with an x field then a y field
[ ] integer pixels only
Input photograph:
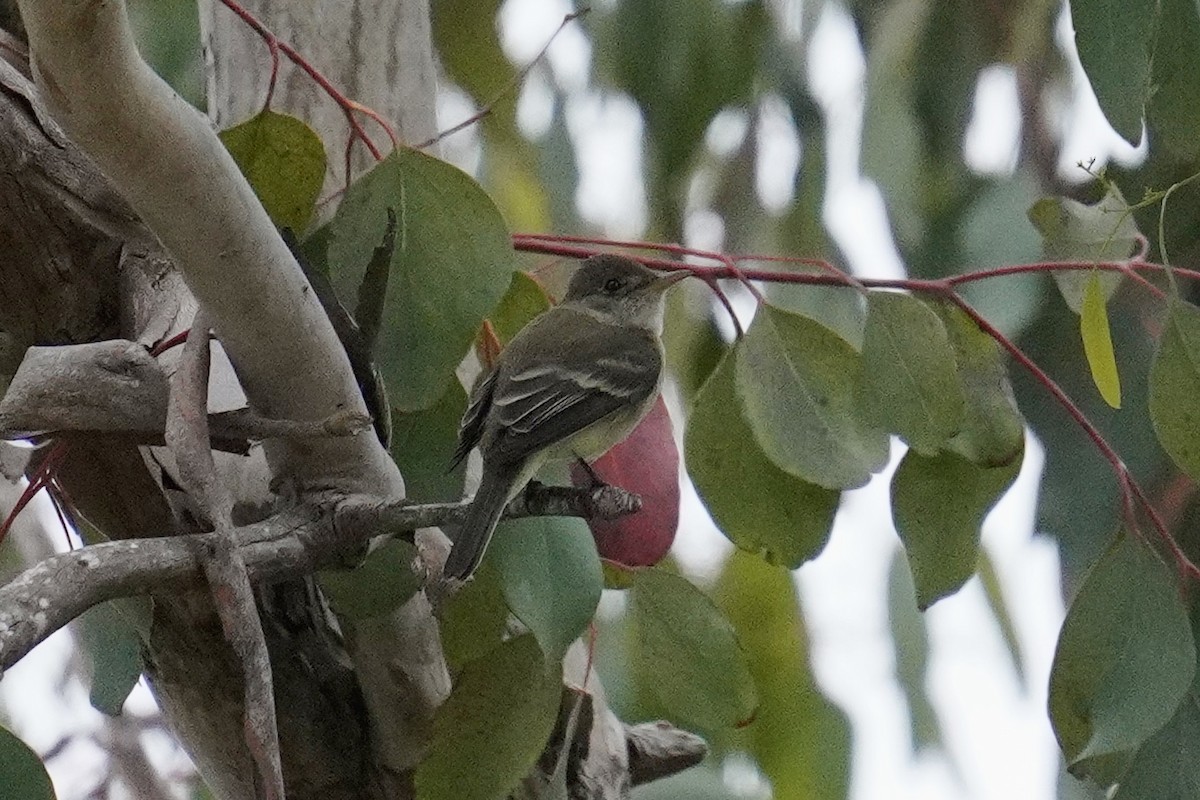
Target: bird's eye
[{"x": 613, "y": 284}]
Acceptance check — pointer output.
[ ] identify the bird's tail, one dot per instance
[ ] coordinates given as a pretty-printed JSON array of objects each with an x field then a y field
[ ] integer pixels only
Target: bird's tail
[{"x": 482, "y": 517}]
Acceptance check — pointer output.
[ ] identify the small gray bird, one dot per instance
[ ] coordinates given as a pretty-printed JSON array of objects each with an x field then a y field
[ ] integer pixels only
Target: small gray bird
[{"x": 574, "y": 382}]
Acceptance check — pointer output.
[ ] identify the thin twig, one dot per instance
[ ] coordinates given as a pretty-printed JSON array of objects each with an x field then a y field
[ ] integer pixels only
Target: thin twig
[
  {"x": 347, "y": 105},
  {"x": 508, "y": 88},
  {"x": 55, "y": 591}
]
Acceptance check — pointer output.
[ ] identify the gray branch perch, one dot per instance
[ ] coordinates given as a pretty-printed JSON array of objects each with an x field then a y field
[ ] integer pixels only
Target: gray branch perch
[{"x": 50, "y": 594}]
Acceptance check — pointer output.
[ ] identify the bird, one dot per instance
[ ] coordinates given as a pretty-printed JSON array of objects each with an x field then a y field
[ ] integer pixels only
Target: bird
[{"x": 571, "y": 384}]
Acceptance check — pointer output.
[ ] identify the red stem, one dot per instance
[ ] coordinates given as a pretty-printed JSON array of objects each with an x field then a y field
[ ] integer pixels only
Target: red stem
[{"x": 347, "y": 105}]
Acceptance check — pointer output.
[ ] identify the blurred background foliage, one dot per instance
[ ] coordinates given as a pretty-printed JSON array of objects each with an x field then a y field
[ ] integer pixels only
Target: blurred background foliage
[{"x": 729, "y": 111}]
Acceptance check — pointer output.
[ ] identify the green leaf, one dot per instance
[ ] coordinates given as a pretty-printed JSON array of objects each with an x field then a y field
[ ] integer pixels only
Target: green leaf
[
  {"x": 993, "y": 589},
  {"x": 1175, "y": 387},
  {"x": 284, "y": 161},
  {"x": 494, "y": 725},
  {"x": 1172, "y": 115},
  {"x": 800, "y": 740},
  {"x": 523, "y": 301},
  {"x": 891, "y": 136},
  {"x": 1072, "y": 231},
  {"x": 550, "y": 576},
  {"x": 992, "y": 432},
  {"x": 383, "y": 582},
  {"x": 1097, "y": 342},
  {"x": 111, "y": 636},
  {"x": 910, "y": 384},
  {"x": 1115, "y": 39},
  {"x": 475, "y": 618},
  {"x": 730, "y": 473},
  {"x": 1124, "y": 661},
  {"x": 688, "y": 654},
  {"x": 422, "y": 444},
  {"x": 941, "y": 537},
  {"x": 453, "y": 263},
  {"x": 798, "y": 384},
  {"x": 681, "y": 69},
  {"x": 1167, "y": 767},
  {"x": 910, "y": 636},
  {"x": 21, "y": 772}
]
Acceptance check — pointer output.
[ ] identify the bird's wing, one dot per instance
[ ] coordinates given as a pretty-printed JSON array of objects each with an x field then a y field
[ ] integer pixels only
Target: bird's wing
[
  {"x": 582, "y": 384},
  {"x": 470, "y": 430}
]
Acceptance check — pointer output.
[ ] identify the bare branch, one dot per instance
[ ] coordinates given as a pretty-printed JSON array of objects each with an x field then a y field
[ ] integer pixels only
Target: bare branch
[
  {"x": 229, "y": 583},
  {"x": 50, "y": 594},
  {"x": 658, "y": 749},
  {"x": 169, "y": 164}
]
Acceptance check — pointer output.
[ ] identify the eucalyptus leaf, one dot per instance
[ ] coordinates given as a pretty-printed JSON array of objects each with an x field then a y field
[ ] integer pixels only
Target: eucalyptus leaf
[
  {"x": 734, "y": 478},
  {"x": 910, "y": 385},
  {"x": 1097, "y": 342},
  {"x": 383, "y": 582},
  {"x": 494, "y": 725},
  {"x": 938, "y": 504},
  {"x": 688, "y": 654},
  {"x": 1175, "y": 387},
  {"x": 284, "y": 161},
  {"x": 1124, "y": 661},
  {"x": 992, "y": 432},
  {"x": 452, "y": 264},
  {"x": 423, "y": 443},
  {"x": 21, "y": 771},
  {"x": 474, "y": 620},
  {"x": 800, "y": 739},
  {"x": 1073, "y": 231},
  {"x": 798, "y": 385},
  {"x": 550, "y": 576},
  {"x": 523, "y": 301},
  {"x": 1116, "y": 43},
  {"x": 111, "y": 636}
]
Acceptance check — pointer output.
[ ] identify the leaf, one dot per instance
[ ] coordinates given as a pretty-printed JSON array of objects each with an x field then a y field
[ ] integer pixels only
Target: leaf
[
  {"x": 284, "y": 161},
  {"x": 1175, "y": 387},
  {"x": 688, "y": 654},
  {"x": 910, "y": 384},
  {"x": 494, "y": 725},
  {"x": 800, "y": 739},
  {"x": 992, "y": 432},
  {"x": 1115, "y": 40},
  {"x": 910, "y": 635},
  {"x": 550, "y": 576},
  {"x": 797, "y": 382},
  {"x": 1097, "y": 342},
  {"x": 21, "y": 771},
  {"x": 452, "y": 264},
  {"x": 422, "y": 444},
  {"x": 891, "y": 134},
  {"x": 474, "y": 620},
  {"x": 1124, "y": 661},
  {"x": 1167, "y": 767},
  {"x": 938, "y": 504},
  {"x": 383, "y": 582},
  {"x": 111, "y": 636},
  {"x": 731, "y": 474},
  {"x": 646, "y": 463},
  {"x": 999, "y": 605},
  {"x": 1172, "y": 115},
  {"x": 1072, "y": 231},
  {"x": 523, "y": 301},
  {"x": 681, "y": 69}
]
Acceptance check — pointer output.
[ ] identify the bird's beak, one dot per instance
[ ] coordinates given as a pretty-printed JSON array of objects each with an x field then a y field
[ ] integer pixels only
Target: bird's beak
[{"x": 664, "y": 282}]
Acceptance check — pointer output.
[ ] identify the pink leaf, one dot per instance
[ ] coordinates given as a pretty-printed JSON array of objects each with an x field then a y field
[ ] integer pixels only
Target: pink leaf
[{"x": 646, "y": 463}]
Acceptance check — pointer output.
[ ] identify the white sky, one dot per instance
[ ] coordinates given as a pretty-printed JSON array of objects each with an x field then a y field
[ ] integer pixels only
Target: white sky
[{"x": 1000, "y": 745}]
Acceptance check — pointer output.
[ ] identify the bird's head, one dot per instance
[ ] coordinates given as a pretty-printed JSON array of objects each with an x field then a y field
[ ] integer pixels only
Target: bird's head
[{"x": 621, "y": 289}]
